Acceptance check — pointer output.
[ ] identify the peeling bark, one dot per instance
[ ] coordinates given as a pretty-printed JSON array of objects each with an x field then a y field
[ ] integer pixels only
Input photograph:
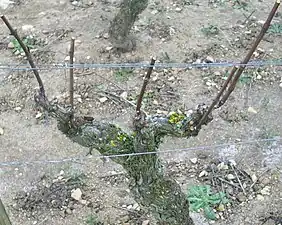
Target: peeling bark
[{"x": 151, "y": 188}]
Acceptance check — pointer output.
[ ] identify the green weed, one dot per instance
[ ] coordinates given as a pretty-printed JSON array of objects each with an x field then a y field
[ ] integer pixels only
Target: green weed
[
  {"x": 201, "y": 197},
  {"x": 123, "y": 75},
  {"x": 92, "y": 220},
  {"x": 275, "y": 28},
  {"x": 29, "y": 42},
  {"x": 210, "y": 30}
]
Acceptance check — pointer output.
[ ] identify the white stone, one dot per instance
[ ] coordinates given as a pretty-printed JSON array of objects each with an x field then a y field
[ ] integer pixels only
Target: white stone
[
  {"x": 76, "y": 194},
  {"x": 18, "y": 109},
  {"x": 27, "y": 28},
  {"x": 252, "y": 110},
  {"x": 1, "y": 131},
  {"x": 194, "y": 160},
  {"x": 103, "y": 99}
]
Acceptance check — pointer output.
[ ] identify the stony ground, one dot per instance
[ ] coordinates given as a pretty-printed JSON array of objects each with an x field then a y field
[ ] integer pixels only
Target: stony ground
[{"x": 77, "y": 192}]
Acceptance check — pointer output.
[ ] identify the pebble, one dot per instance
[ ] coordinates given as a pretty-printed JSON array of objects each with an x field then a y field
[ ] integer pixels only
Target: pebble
[
  {"x": 280, "y": 85},
  {"x": 124, "y": 95},
  {"x": 11, "y": 45},
  {"x": 76, "y": 194},
  {"x": 109, "y": 48},
  {"x": 1, "y": 131},
  {"x": 154, "y": 12},
  {"x": 230, "y": 177},
  {"x": 265, "y": 190},
  {"x": 203, "y": 173},
  {"x": 75, "y": 3},
  {"x": 27, "y": 28},
  {"x": 260, "y": 197},
  {"x": 209, "y": 59},
  {"x": 259, "y": 77},
  {"x": 252, "y": 110},
  {"x": 106, "y": 35},
  {"x": 103, "y": 99},
  {"x": 241, "y": 197},
  {"x": 254, "y": 178},
  {"x": 178, "y": 9},
  {"x": 38, "y": 115},
  {"x": 194, "y": 160},
  {"x": 146, "y": 222},
  {"x": 18, "y": 109}
]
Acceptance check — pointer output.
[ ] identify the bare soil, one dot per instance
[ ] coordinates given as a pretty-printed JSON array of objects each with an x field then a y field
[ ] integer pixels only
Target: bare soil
[{"x": 40, "y": 192}]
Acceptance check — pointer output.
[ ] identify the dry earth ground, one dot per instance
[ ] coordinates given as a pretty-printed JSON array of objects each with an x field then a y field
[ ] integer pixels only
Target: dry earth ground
[{"x": 172, "y": 31}]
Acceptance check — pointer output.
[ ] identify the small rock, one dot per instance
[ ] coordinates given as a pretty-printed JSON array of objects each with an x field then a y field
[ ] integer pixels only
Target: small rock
[
  {"x": 135, "y": 206},
  {"x": 38, "y": 115},
  {"x": 11, "y": 45},
  {"x": 75, "y": 3},
  {"x": 194, "y": 160},
  {"x": 129, "y": 207},
  {"x": 178, "y": 9},
  {"x": 68, "y": 211},
  {"x": 124, "y": 95},
  {"x": 260, "y": 197},
  {"x": 1, "y": 131},
  {"x": 252, "y": 110},
  {"x": 109, "y": 48},
  {"x": 221, "y": 208},
  {"x": 27, "y": 28},
  {"x": 45, "y": 31},
  {"x": 230, "y": 177},
  {"x": 254, "y": 178},
  {"x": 68, "y": 58},
  {"x": 103, "y": 99},
  {"x": 154, "y": 12},
  {"x": 280, "y": 85},
  {"x": 265, "y": 190},
  {"x": 203, "y": 173},
  {"x": 83, "y": 202},
  {"x": 172, "y": 78},
  {"x": 241, "y": 197},
  {"x": 209, "y": 59},
  {"x": 18, "y": 109},
  {"x": 155, "y": 102},
  {"x": 217, "y": 73},
  {"x": 232, "y": 162},
  {"x": 222, "y": 166},
  {"x": 146, "y": 222},
  {"x": 208, "y": 83},
  {"x": 106, "y": 35},
  {"x": 259, "y": 77},
  {"x": 76, "y": 194}
]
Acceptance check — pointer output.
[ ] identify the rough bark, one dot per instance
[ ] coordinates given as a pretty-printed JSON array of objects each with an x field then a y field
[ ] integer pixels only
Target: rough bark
[
  {"x": 151, "y": 188},
  {"x": 122, "y": 23}
]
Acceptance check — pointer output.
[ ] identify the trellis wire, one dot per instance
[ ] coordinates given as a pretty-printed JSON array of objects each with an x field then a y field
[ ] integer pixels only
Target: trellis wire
[
  {"x": 25, "y": 67},
  {"x": 76, "y": 159}
]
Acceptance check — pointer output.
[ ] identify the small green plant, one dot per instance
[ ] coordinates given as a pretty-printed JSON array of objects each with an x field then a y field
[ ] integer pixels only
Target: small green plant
[
  {"x": 210, "y": 30},
  {"x": 123, "y": 75},
  {"x": 239, "y": 4},
  {"x": 201, "y": 197},
  {"x": 275, "y": 28},
  {"x": 29, "y": 41},
  {"x": 92, "y": 220},
  {"x": 245, "y": 78}
]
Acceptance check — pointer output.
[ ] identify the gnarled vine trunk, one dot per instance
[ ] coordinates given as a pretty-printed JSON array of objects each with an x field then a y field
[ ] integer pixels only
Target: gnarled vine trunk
[{"x": 151, "y": 188}]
